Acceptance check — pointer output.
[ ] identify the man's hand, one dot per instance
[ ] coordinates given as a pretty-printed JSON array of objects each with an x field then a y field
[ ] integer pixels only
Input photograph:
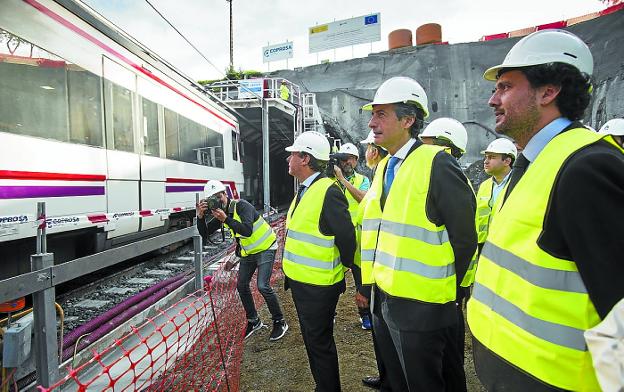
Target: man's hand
[
  {"x": 338, "y": 172},
  {"x": 201, "y": 209},
  {"x": 360, "y": 300},
  {"x": 219, "y": 215}
]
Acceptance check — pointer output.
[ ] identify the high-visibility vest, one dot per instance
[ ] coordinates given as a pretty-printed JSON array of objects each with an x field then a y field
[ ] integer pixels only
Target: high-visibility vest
[
  {"x": 309, "y": 255},
  {"x": 261, "y": 239},
  {"x": 358, "y": 179},
  {"x": 412, "y": 257},
  {"x": 530, "y": 307},
  {"x": 611, "y": 140},
  {"x": 483, "y": 217},
  {"x": 284, "y": 92}
]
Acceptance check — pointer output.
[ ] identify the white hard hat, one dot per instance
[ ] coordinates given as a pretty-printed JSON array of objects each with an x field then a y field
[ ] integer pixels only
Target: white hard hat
[
  {"x": 447, "y": 128},
  {"x": 400, "y": 89},
  {"x": 546, "y": 46},
  {"x": 502, "y": 146},
  {"x": 613, "y": 127},
  {"x": 213, "y": 187},
  {"x": 370, "y": 139},
  {"x": 314, "y": 143},
  {"x": 349, "y": 148}
]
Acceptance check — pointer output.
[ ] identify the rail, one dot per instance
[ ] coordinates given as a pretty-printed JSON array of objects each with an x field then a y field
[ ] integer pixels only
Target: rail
[
  {"x": 45, "y": 276},
  {"x": 255, "y": 89}
]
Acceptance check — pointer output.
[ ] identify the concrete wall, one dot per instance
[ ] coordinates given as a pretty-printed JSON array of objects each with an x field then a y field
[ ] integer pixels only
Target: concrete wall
[{"x": 452, "y": 77}]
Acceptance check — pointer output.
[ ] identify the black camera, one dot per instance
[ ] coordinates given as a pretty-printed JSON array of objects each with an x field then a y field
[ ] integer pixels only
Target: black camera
[
  {"x": 213, "y": 203},
  {"x": 334, "y": 160}
]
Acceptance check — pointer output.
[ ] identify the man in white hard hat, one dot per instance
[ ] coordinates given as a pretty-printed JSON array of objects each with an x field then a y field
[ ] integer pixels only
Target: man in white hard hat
[
  {"x": 374, "y": 153},
  {"x": 320, "y": 243},
  {"x": 255, "y": 245},
  {"x": 446, "y": 132},
  {"x": 354, "y": 186},
  {"x": 418, "y": 237},
  {"x": 499, "y": 157},
  {"x": 615, "y": 128},
  {"x": 546, "y": 271}
]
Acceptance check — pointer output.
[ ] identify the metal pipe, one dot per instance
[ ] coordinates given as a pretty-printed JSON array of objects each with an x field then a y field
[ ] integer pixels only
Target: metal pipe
[{"x": 265, "y": 155}]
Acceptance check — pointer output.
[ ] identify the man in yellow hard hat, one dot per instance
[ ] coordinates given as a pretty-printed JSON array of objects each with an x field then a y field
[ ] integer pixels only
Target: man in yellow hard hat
[{"x": 548, "y": 270}]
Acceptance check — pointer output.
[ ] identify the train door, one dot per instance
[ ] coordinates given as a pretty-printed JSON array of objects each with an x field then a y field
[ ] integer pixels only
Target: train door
[
  {"x": 151, "y": 143},
  {"x": 123, "y": 164}
]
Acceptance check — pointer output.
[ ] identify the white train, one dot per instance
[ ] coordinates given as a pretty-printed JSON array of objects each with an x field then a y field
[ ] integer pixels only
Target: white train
[{"x": 99, "y": 128}]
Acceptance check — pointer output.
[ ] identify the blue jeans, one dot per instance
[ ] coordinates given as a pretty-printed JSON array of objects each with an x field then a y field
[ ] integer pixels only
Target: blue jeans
[{"x": 263, "y": 262}]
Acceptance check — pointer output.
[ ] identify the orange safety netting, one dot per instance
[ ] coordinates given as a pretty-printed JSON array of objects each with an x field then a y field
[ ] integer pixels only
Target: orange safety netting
[{"x": 195, "y": 344}]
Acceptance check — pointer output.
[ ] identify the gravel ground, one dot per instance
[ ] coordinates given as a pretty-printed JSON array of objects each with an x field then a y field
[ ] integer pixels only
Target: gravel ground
[{"x": 283, "y": 365}]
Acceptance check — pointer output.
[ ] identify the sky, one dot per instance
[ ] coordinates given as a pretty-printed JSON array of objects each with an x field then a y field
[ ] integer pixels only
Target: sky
[{"x": 257, "y": 23}]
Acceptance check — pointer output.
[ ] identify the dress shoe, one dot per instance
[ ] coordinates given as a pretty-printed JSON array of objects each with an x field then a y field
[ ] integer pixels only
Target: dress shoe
[{"x": 372, "y": 382}]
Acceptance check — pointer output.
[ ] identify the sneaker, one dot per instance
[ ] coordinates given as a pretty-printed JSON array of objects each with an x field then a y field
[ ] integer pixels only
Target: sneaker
[
  {"x": 253, "y": 327},
  {"x": 366, "y": 322},
  {"x": 279, "y": 330}
]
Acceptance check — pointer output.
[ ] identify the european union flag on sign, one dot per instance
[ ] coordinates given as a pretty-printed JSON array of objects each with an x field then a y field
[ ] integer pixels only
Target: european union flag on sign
[{"x": 370, "y": 19}]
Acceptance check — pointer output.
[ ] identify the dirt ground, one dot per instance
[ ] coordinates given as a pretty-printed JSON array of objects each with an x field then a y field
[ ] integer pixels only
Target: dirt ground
[{"x": 283, "y": 365}]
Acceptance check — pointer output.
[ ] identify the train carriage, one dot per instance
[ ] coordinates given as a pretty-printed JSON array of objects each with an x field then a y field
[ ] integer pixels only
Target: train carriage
[{"x": 114, "y": 139}]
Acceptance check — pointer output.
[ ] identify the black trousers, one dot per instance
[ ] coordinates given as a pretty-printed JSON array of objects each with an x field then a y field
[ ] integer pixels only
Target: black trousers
[
  {"x": 388, "y": 364},
  {"x": 316, "y": 306},
  {"x": 428, "y": 360}
]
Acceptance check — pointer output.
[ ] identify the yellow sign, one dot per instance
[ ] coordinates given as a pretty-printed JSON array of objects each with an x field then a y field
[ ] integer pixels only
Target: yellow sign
[{"x": 318, "y": 29}]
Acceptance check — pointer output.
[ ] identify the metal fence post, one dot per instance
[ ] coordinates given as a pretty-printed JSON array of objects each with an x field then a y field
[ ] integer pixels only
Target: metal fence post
[
  {"x": 198, "y": 249},
  {"x": 46, "y": 348}
]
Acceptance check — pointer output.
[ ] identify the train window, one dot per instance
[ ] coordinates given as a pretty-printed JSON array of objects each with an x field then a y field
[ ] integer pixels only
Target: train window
[
  {"x": 150, "y": 128},
  {"x": 118, "y": 106},
  {"x": 192, "y": 141},
  {"x": 215, "y": 146},
  {"x": 85, "y": 107},
  {"x": 33, "y": 96},
  {"x": 171, "y": 134},
  {"x": 234, "y": 145},
  {"x": 45, "y": 96}
]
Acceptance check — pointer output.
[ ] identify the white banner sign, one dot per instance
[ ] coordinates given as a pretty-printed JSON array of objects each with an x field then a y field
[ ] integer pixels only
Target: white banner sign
[
  {"x": 250, "y": 88},
  {"x": 354, "y": 31},
  {"x": 277, "y": 52}
]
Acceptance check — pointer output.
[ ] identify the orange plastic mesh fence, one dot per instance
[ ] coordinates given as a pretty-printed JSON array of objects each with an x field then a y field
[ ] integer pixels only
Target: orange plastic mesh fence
[{"x": 195, "y": 344}]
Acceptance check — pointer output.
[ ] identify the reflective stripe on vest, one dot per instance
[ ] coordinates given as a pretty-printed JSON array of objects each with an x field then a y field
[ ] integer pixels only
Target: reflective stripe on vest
[
  {"x": 261, "y": 239},
  {"x": 482, "y": 218},
  {"x": 411, "y": 256},
  {"x": 309, "y": 255},
  {"x": 529, "y": 307}
]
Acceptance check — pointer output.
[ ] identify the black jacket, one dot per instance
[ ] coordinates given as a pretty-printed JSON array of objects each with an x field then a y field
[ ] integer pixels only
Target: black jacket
[
  {"x": 584, "y": 223},
  {"x": 246, "y": 212}
]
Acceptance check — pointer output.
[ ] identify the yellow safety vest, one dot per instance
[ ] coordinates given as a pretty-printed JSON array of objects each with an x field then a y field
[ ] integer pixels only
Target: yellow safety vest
[
  {"x": 358, "y": 179},
  {"x": 261, "y": 239},
  {"x": 284, "y": 92},
  {"x": 528, "y": 306},
  {"x": 411, "y": 256},
  {"x": 483, "y": 217},
  {"x": 309, "y": 255}
]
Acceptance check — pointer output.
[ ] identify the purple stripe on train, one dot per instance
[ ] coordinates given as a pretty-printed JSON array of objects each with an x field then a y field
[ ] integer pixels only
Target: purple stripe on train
[
  {"x": 27, "y": 192},
  {"x": 187, "y": 188}
]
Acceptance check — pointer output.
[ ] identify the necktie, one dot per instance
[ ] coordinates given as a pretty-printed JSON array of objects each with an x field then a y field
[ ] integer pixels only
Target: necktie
[
  {"x": 519, "y": 167},
  {"x": 300, "y": 193},
  {"x": 390, "y": 174}
]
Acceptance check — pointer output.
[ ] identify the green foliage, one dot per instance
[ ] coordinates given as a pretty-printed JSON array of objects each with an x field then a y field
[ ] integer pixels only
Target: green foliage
[{"x": 233, "y": 74}]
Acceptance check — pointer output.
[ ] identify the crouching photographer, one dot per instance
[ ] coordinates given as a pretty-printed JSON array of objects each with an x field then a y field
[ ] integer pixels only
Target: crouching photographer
[{"x": 255, "y": 245}]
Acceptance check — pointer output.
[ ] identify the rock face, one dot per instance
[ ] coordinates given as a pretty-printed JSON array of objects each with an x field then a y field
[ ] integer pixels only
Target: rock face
[{"x": 452, "y": 77}]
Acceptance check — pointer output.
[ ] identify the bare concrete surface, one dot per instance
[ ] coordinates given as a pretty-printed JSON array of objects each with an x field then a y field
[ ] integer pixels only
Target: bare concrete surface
[{"x": 283, "y": 365}]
